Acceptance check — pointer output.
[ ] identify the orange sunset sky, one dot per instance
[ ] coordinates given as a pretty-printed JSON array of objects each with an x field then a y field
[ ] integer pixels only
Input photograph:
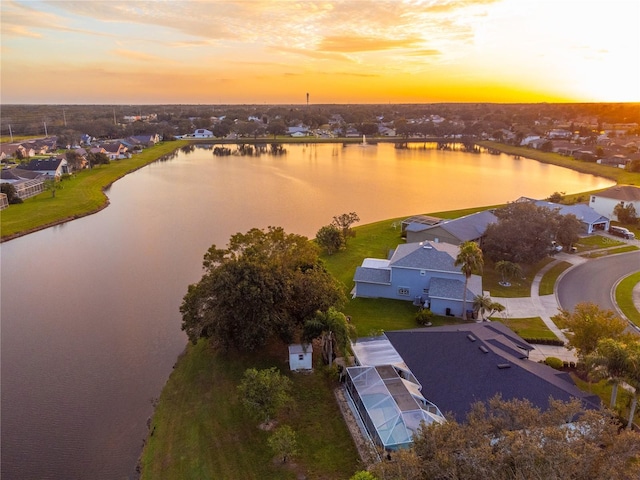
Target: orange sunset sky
[{"x": 349, "y": 51}]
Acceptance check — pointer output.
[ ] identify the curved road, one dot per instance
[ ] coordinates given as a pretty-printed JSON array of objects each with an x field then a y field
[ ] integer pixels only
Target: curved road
[{"x": 592, "y": 281}]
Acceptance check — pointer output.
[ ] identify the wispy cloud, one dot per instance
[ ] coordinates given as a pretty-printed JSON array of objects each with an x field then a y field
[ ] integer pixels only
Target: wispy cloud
[
  {"x": 344, "y": 43},
  {"x": 137, "y": 56}
]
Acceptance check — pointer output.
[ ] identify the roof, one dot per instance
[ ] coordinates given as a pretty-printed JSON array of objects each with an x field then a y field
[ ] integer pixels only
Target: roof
[
  {"x": 446, "y": 288},
  {"x": 297, "y": 348},
  {"x": 373, "y": 275},
  {"x": 625, "y": 193},
  {"x": 469, "y": 227},
  {"x": 425, "y": 255},
  {"x": 43, "y": 165},
  {"x": 583, "y": 212},
  {"x": 458, "y": 365}
]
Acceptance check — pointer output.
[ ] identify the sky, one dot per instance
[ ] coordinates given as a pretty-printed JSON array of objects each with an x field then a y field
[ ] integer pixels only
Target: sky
[{"x": 341, "y": 51}]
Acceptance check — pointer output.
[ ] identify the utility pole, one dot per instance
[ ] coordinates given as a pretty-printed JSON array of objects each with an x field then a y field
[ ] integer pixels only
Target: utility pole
[
  {"x": 10, "y": 133},
  {"x": 64, "y": 116},
  {"x": 114, "y": 117},
  {"x": 45, "y": 129}
]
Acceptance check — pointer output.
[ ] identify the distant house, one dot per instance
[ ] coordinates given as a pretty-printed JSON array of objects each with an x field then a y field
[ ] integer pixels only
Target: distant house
[
  {"x": 51, "y": 167},
  {"x": 423, "y": 273},
  {"x": 458, "y": 365},
  {"x": 618, "y": 160},
  {"x": 299, "y": 131},
  {"x": 455, "y": 231},
  {"x": 201, "y": 133},
  {"x": 591, "y": 220},
  {"x": 10, "y": 150},
  {"x": 145, "y": 140},
  {"x": 116, "y": 150},
  {"x": 604, "y": 202},
  {"x": 4, "y": 201},
  {"x": 300, "y": 357},
  {"x": 26, "y": 182}
]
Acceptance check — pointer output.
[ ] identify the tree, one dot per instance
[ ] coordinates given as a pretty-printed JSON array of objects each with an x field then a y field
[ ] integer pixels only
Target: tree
[
  {"x": 344, "y": 222},
  {"x": 97, "y": 158},
  {"x": 334, "y": 331},
  {"x": 52, "y": 185},
  {"x": 283, "y": 442},
  {"x": 74, "y": 159},
  {"x": 264, "y": 392},
  {"x": 506, "y": 440},
  {"x": 567, "y": 230},
  {"x": 330, "y": 238},
  {"x": 610, "y": 360},
  {"x": 588, "y": 325},
  {"x": 277, "y": 127},
  {"x": 484, "y": 304},
  {"x": 523, "y": 233},
  {"x": 556, "y": 197},
  {"x": 507, "y": 271},
  {"x": 626, "y": 214},
  {"x": 470, "y": 261},
  {"x": 10, "y": 191},
  {"x": 264, "y": 284}
]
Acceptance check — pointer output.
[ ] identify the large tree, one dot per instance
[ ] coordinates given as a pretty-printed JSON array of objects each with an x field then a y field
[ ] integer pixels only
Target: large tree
[
  {"x": 470, "y": 261},
  {"x": 524, "y": 232},
  {"x": 506, "y": 440},
  {"x": 588, "y": 324},
  {"x": 344, "y": 222},
  {"x": 610, "y": 360},
  {"x": 265, "y": 283},
  {"x": 330, "y": 238},
  {"x": 264, "y": 392}
]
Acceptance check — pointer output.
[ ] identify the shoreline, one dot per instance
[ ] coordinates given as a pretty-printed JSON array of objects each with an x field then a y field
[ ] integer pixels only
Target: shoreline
[{"x": 565, "y": 162}]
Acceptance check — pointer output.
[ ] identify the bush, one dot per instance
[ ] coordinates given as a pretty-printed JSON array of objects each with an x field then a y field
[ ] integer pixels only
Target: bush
[
  {"x": 424, "y": 316},
  {"x": 554, "y": 362},
  {"x": 545, "y": 341}
]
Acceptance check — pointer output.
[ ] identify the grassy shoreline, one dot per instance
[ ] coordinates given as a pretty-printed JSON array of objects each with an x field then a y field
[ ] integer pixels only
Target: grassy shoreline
[
  {"x": 81, "y": 195},
  {"x": 84, "y": 193}
]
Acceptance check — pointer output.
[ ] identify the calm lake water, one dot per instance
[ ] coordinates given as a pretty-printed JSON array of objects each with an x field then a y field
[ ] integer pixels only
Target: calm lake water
[{"x": 90, "y": 319}]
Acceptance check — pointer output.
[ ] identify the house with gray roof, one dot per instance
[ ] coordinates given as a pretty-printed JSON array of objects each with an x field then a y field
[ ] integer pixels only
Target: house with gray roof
[
  {"x": 604, "y": 202},
  {"x": 455, "y": 231},
  {"x": 424, "y": 273},
  {"x": 458, "y": 365},
  {"x": 591, "y": 220}
]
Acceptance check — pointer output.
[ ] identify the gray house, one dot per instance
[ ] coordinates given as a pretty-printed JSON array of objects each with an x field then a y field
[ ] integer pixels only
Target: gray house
[
  {"x": 423, "y": 273},
  {"x": 591, "y": 220},
  {"x": 456, "y": 231}
]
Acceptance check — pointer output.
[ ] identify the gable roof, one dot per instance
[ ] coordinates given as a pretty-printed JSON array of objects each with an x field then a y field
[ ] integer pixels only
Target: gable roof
[
  {"x": 425, "y": 255},
  {"x": 583, "y": 212},
  {"x": 625, "y": 193},
  {"x": 44, "y": 165},
  {"x": 458, "y": 365},
  {"x": 469, "y": 227}
]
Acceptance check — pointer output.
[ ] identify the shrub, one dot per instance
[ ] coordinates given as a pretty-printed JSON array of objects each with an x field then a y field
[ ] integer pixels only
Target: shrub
[
  {"x": 424, "y": 316},
  {"x": 554, "y": 362}
]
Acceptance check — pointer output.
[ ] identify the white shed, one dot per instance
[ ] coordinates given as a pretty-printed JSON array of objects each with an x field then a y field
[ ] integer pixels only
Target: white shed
[{"x": 300, "y": 357}]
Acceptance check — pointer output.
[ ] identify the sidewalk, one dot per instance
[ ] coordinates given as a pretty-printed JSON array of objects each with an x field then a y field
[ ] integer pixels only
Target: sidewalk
[{"x": 545, "y": 307}]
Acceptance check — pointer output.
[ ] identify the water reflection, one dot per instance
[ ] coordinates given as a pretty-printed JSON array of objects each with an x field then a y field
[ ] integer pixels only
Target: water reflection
[{"x": 90, "y": 319}]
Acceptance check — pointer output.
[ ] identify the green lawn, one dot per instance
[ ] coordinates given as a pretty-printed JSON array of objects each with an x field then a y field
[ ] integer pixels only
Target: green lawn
[
  {"x": 81, "y": 194},
  {"x": 520, "y": 287},
  {"x": 550, "y": 277},
  {"x": 532, "y": 327},
  {"x": 200, "y": 429},
  {"x": 619, "y": 175},
  {"x": 594, "y": 242},
  {"x": 624, "y": 297}
]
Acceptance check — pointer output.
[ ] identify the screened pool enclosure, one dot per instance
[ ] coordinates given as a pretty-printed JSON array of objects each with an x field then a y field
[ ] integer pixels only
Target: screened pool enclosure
[{"x": 391, "y": 408}]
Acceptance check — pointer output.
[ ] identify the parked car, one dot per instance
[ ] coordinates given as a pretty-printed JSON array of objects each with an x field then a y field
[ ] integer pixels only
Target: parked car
[{"x": 622, "y": 232}]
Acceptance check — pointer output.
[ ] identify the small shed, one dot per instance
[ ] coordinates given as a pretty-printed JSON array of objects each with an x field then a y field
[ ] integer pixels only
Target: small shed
[{"x": 300, "y": 357}]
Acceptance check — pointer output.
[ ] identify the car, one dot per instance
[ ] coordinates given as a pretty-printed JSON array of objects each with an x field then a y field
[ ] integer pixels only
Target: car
[{"x": 622, "y": 232}]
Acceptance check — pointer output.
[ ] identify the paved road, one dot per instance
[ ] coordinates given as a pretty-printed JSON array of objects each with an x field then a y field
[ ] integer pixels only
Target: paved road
[{"x": 593, "y": 280}]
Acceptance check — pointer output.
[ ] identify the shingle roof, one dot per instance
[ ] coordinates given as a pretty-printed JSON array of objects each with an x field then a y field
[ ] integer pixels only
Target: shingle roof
[
  {"x": 372, "y": 275},
  {"x": 456, "y": 372},
  {"x": 583, "y": 212},
  {"x": 448, "y": 289},
  {"x": 424, "y": 255},
  {"x": 626, "y": 193},
  {"x": 48, "y": 164},
  {"x": 469, "y": 227}
]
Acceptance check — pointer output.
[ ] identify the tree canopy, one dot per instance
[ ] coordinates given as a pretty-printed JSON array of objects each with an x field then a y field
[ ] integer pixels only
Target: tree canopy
[
  {"x": 264, "y": 284},
  {"x": 506, "y": 440},
  {"x": 264, "y": 392},
  {"x": 524, "y": 232}
]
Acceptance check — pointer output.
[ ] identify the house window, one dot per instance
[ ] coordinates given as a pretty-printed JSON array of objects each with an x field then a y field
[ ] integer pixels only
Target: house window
[
  {"x": 404, "y": 291},
  {"x": 425, "y": 291},
  {"x": 593, "y": 199},
  {"x": 300, "y": 357},
  {"x": 423, "y": 273}
]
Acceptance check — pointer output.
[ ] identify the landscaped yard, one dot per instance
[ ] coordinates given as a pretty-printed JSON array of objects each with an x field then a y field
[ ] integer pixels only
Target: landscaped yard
[
  {"x": 550, "y": 277},
  {"x": 624, "y": 297},
  {"x": 532, "y": 327}
]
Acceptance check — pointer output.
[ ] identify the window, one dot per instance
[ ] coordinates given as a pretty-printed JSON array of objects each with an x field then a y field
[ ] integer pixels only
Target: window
[
  {"x": 404, "y": 291},
  {"x": 593, "y": 199},
  {"x": 425, "y": 291},
  {"x": 423, "y": 273},
  {"x": 300, "y": 357}
]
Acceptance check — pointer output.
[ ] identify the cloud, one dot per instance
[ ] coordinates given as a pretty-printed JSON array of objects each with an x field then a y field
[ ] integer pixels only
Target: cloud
[
  {"x": 344, "y": 43},
  {"x": 137, "y": 56},
  {"x": 424, "y": 52}
]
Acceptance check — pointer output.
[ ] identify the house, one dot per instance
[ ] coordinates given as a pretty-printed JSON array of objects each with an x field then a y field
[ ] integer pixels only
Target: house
[
  {"x": 604, "y": 202},
  {"x": 463, "y": 229},
  {"x": 591, "y": 220},
  {"x": 423, "y": 273},
  {"x": 51, "y": 167},
  {"x": 458, "y": 365},
  {"x": 148, "y": 140},
  {"x": 116, "y": 150},
  {"x": 300, "y": 357},
  {"x": 299, "y": 131},
  {"x": 200, "y": 133},
  {"x": 13, "y": 150}
]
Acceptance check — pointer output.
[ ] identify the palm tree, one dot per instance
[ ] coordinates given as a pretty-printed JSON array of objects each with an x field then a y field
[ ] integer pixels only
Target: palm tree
[
  {"x": 470, "y": 261},
  {"x": 483, "y": 304},
  {"x": 610, "y": 360},
  {"x": 633, "y": 379},
  {"x": 508, "y": 270}
]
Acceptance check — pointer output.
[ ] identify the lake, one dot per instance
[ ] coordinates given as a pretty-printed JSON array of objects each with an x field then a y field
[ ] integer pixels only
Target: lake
[{"x": 90, "y": 308}]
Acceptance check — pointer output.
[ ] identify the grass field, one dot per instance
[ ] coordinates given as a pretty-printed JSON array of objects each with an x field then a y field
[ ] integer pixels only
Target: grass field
[
  {"x": 81, "y": 194},
  {"x": 550, "y": 277},
  {"x": 532, "y": 327},
  {"x": 624, "y": 297}
]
